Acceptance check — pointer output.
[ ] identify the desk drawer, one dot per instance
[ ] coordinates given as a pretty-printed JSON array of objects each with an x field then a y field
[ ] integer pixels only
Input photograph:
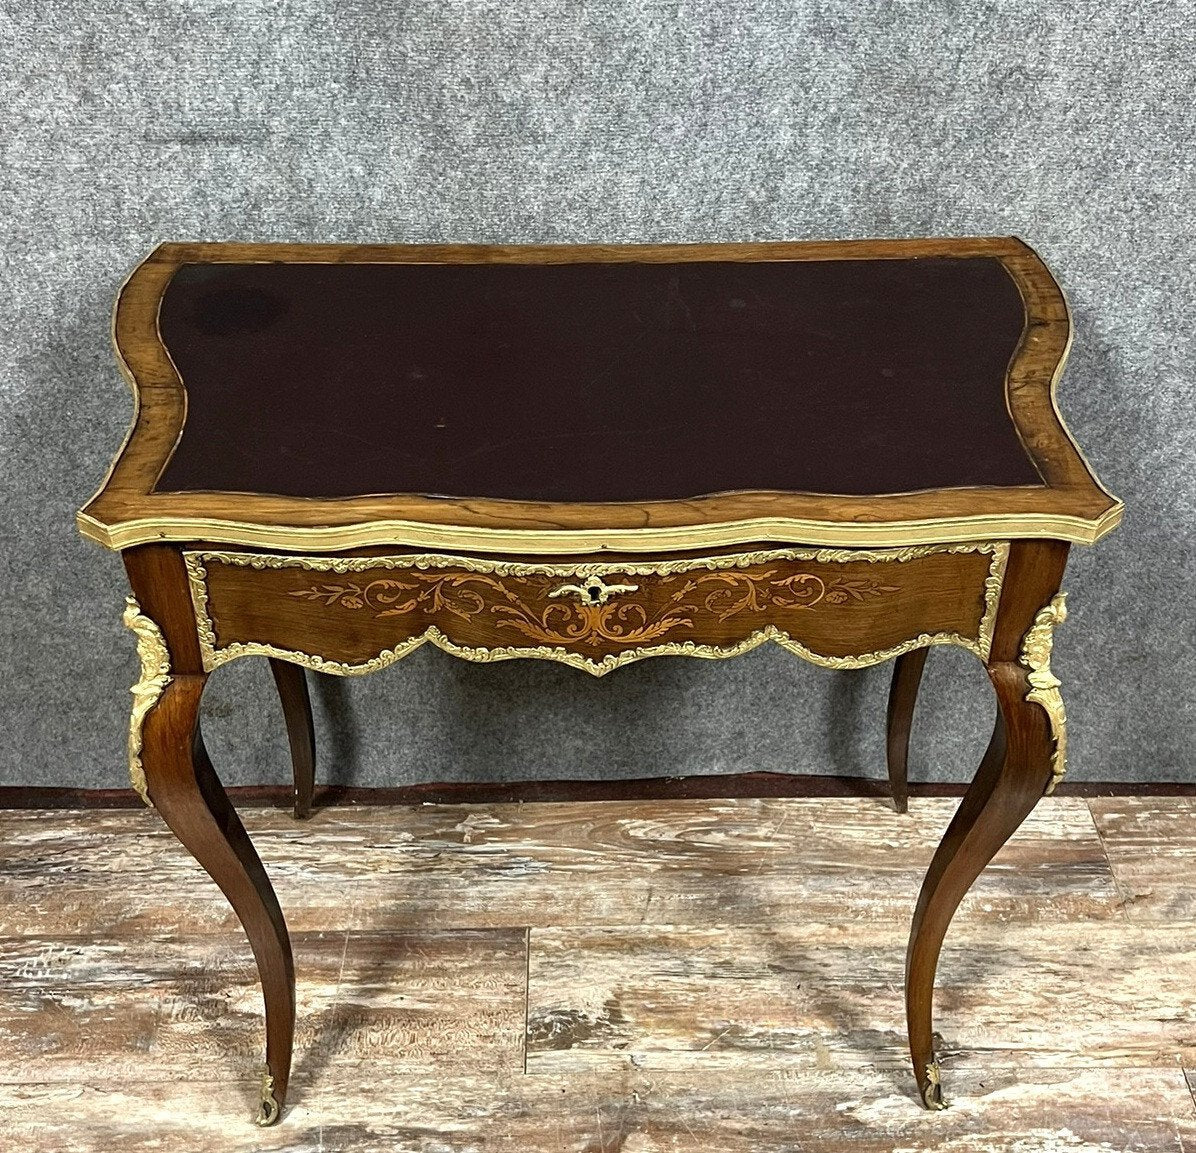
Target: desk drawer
[{"x": 351, "y": 614}]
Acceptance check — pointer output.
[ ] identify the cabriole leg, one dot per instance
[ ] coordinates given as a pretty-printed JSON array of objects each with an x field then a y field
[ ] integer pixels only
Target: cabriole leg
[
  {"x": 1024, "y": 759},
  {"x": 1013, "y": 775},
  {"x": 187, "y": 793},
  {"x": 903, "y": 696},
  {"x": 291, "y": 681}
]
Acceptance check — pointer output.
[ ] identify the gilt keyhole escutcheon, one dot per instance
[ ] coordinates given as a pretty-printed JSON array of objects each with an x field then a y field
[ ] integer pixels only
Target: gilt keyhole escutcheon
[{"x": 594, "y": 590}]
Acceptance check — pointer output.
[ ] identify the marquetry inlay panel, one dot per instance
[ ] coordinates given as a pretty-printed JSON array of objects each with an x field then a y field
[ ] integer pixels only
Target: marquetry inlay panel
[{"x": 842, "y": 608}]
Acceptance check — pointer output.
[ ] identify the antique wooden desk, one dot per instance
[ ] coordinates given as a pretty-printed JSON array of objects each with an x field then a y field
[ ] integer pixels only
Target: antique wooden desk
[{"x": 593, "y": 455}]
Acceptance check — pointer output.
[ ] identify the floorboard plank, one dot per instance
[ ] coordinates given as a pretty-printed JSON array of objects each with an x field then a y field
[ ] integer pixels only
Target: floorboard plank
[
  {"x": 491, "y": 866},
  {"x": 704, "y": 974},
  {"x": 182, "y": 1009},
  {"x": 1046, "y": 1111},
  {"x": 1151, "y": 846},
  {"x": 820, "y": 996}
]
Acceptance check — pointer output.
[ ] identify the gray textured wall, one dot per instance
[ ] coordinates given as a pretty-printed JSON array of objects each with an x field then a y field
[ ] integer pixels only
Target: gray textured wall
[{"x": 1070, "y": 124}]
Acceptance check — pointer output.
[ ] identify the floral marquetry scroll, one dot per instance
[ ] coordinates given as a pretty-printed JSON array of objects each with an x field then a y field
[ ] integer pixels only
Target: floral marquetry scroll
[
  {"x": 842, "y": 608},
  {"x": 591, "y": 619}
]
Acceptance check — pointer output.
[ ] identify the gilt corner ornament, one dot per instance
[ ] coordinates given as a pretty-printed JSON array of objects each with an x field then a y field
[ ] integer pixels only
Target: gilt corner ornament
[
  {"x": 1044, "y": 691},
  {"x": 155, "y": 676}
]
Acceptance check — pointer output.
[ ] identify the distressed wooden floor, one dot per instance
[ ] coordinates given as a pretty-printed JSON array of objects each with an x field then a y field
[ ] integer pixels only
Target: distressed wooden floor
[{"x": 618, "y": 976}]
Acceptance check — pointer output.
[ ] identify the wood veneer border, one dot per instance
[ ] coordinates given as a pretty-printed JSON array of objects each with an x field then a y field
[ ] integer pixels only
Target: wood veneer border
[{"x": 1071, "y": 505}]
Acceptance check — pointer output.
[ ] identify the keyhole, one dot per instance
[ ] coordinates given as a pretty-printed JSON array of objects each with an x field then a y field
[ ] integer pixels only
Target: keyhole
[{"x": 593, "y": 592}]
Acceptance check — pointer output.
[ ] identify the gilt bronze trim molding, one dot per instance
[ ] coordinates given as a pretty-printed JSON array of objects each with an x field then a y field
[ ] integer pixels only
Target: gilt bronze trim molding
[{"x": 390, "y": 532}]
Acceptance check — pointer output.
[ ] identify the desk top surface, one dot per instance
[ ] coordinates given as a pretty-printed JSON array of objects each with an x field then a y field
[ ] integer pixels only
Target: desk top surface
[{"x": 578, "y": 399}]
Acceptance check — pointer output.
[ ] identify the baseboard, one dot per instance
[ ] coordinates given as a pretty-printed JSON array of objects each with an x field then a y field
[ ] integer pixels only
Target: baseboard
[{"x": 710, "y": 787}]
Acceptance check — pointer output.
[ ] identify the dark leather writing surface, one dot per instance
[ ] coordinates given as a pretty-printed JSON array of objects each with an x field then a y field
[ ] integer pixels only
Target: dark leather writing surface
[{"x": 594, "y": 382}]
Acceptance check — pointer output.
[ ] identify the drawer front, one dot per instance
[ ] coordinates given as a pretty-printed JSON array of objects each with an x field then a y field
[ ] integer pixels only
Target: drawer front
[{"x": 350, "y": 614}]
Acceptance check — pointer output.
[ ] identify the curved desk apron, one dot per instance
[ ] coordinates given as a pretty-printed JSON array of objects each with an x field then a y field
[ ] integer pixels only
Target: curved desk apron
[{"x": 593, "y": 455}]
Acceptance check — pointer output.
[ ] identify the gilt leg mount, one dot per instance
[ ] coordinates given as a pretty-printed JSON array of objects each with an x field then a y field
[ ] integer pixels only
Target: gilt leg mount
[
  {"x": 268, "y": 1111},
  {"x": 1036, "y": 656},
  {"x": 932, "y": 1091},
  {"x": 155, "y": 676}
]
